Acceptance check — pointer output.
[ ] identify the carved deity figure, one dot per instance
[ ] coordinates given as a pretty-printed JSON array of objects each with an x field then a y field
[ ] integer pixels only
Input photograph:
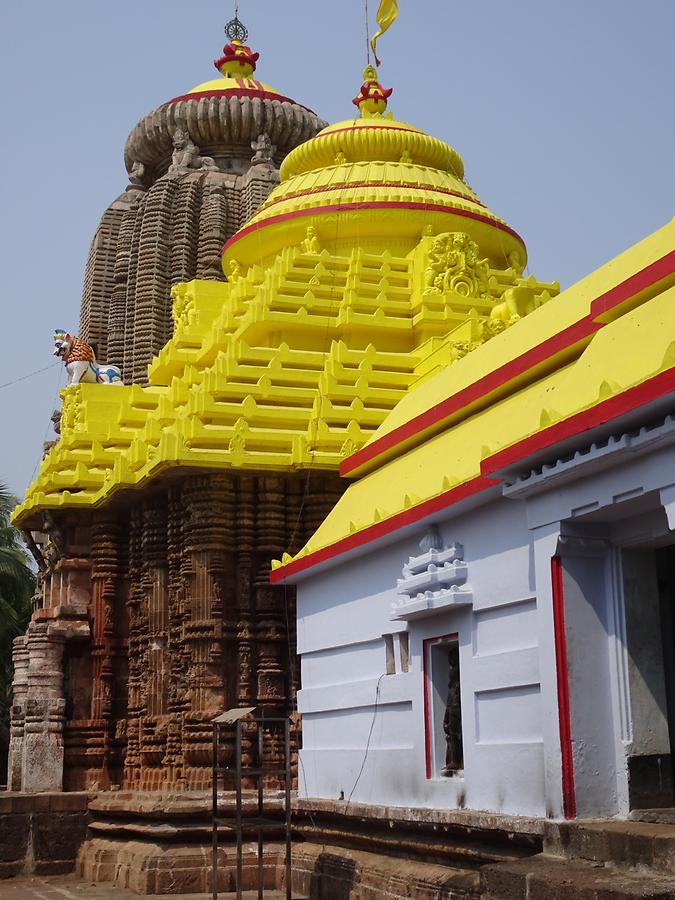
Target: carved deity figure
[
  {"x": 235, "y": 270},
  {"x": 137, "y": 176},
  {"x": 186, "y": 155},
  {"x": 454, "y": 264},
  {"x": 264, "y": 150},
  {"x": 516, "y": 263},
  {"x": 80, "y": 361},
  {"x": 311, "y": 242},
  {"x": 452, "y": 720}
]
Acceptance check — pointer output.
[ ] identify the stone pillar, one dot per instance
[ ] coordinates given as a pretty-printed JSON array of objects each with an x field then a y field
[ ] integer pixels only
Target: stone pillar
[
  {"x": 16, "y": 729},
  {"x": 45, "y": 707},
  {"x": 208, "y": 548},
  {"x": 136, "y": 685}
]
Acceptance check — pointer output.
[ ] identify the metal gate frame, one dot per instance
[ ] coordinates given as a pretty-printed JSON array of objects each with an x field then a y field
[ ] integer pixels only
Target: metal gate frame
[{"x": 237, "y": 718}]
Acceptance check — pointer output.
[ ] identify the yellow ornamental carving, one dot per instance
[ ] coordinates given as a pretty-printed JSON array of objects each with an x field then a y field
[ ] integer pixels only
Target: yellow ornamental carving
[{"x": 455, "y": 265}]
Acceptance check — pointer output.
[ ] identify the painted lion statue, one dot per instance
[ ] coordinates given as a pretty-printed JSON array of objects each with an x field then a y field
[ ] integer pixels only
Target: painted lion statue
[{"x": 80, "y": 361}]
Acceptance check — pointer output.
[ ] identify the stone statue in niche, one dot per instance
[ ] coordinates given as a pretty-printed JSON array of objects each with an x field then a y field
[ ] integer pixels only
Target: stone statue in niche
[
  {"x": 137, "y": 176},
  {"x": 264, "y": 150},
  {"x": 311, "y": 242},
  {"x": 186, "y": 155},
  {"x": 235, "y": 271},
  {"x": 516, "y": 263},
  {"x": 452, "y": 720}
]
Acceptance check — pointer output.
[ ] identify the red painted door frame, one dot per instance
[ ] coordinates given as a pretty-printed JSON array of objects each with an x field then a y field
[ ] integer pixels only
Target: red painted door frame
[{"x": 562, "y": 680}]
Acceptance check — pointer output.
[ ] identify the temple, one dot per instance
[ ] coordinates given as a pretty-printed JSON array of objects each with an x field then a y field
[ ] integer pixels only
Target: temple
[{"x": 339, "y": 374}]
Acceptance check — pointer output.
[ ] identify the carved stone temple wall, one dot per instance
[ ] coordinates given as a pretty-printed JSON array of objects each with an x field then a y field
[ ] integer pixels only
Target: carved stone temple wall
[
  {"x": 182, "y": 624},
  {"x": 181, "y": 204}
]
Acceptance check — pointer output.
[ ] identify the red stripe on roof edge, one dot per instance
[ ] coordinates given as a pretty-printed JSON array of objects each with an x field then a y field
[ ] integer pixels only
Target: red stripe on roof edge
[
  {"x": 635, "y": 284},
  {"x": 473, "y": 392},
  {"x": 595, "y": 415},
  {"x": 609, "y": 409},
  {"x": 584, "y": 327},
  {"x": 386, "y": 526}
]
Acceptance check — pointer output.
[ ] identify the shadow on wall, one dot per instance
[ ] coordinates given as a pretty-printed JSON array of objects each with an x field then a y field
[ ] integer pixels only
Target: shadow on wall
[{"x": 333, "y": 877}]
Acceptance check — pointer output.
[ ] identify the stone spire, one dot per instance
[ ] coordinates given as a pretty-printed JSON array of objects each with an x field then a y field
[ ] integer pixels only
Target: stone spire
[{"x": 199, "y": 166}]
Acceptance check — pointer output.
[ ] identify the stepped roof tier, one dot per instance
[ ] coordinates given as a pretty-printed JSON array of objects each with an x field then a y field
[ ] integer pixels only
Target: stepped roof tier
[
  {"x": 572, "y": 373},
  {"x": 371, "y": 267}
]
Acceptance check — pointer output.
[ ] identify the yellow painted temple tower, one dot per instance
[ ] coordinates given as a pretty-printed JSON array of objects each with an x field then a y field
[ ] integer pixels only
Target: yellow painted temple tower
[{"x": 370, "y": 267}]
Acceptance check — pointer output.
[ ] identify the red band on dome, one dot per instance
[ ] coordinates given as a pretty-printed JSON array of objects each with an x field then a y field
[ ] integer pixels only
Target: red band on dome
[
  {"x": 371, "y": 184},
  {"x": 375, "y": 204}
]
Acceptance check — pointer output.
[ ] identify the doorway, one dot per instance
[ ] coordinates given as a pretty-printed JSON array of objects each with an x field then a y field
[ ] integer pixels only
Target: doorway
[{"x": 649, "y": 602}]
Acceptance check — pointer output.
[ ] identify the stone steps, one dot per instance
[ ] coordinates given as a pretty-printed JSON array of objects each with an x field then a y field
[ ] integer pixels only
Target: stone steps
[
  {"x": 543, "y": 878},
  {"x": 622, "y": 844},
  {"x": 336, "y": 873}
]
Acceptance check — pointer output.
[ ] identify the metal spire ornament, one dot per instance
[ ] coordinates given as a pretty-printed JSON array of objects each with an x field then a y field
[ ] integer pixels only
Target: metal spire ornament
[{"x": 235, "y": 29}]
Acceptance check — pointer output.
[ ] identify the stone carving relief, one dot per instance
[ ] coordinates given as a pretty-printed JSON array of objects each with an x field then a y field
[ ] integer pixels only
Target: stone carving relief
[
  {"x": 455, "y": 265},
  {"x": 311, "y": 243},
  {"x": 264, "y": 150},
  {"x": 186, "y": 156},
  {"x": 137, "y": 177}
]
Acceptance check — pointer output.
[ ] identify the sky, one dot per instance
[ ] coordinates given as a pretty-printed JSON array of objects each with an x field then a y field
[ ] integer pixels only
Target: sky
[{"x": 564, "y": 114}]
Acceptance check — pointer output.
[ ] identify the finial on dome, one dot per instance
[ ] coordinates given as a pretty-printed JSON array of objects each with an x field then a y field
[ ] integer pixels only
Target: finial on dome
[
  {"x": 238, "y": 60},
  {"x": 372, "y": 97}
]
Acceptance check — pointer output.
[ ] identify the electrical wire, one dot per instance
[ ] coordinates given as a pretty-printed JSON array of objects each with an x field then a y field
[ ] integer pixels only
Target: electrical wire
[
  {"x": 370, "y": 734},
  {"x": 30, "y": 375}
]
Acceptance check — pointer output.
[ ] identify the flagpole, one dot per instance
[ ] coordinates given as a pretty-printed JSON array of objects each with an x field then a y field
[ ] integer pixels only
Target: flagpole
[{"x": 367, "y": 34}]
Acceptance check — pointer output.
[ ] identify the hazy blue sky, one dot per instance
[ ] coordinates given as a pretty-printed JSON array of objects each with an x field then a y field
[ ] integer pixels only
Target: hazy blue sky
[{"x": 563, "y": 112}]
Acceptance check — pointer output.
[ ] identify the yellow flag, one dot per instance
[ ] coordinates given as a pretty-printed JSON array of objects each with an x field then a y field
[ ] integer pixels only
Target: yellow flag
[{"x": 386, "y": 14}]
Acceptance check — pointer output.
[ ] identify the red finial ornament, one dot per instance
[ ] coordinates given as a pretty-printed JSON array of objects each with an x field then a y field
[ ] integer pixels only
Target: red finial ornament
[{"x": 372, "y": 97}]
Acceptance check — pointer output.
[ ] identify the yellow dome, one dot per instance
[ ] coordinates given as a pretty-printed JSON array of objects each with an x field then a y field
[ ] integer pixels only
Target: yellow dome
[
  {"x": 375, "y": 180},
  {"x": 233, "y": 87},
  {"x": 236, "y": 67}
]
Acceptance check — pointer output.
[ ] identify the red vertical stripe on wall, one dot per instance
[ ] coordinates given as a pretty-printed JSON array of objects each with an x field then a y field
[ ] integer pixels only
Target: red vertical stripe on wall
[
  {"x": 427, "y": 705},
  {"x": 569, "y": 799}
]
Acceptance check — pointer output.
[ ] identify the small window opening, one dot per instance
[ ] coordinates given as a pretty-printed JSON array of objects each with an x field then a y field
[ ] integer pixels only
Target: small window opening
[
  {"x": 452, "y": 720},
  {"x": 445, "y": 756},
  {"x": 404, "y": 650},
  {"x": 389, "y": 650}
]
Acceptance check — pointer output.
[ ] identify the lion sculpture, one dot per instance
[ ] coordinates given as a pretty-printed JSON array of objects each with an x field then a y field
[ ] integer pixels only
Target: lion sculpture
[{"x": 80, "y": 361}]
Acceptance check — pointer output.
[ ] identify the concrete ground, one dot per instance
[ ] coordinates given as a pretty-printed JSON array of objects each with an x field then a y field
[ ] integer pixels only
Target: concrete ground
[{"x": 69, "y": 887}]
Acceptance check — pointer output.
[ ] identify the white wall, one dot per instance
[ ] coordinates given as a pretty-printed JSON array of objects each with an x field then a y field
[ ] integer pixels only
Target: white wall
[{"x": 342, "y": 615}]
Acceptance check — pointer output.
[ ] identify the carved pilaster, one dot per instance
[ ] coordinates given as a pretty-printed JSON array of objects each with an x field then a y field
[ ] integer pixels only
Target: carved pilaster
[
  {"x": 137, "y": 645},
  {"x": 208, "y": 534},
  {"x": 212, "y": 228},
  {"x": 120, "y": 302},
  {"x": 42, "y": 764},
  {"x": 18, "y": 719}
]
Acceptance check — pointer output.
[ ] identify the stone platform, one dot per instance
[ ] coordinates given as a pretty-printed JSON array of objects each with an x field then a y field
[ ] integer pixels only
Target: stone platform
[
  {"x": 40, "y": 833},
  {"x": 161, "y": 844},
  {"x": 157, "y": 845}
]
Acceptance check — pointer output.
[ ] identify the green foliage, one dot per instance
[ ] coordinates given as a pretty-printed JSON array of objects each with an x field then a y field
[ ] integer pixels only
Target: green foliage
[{"x": 17, "y": 584}]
